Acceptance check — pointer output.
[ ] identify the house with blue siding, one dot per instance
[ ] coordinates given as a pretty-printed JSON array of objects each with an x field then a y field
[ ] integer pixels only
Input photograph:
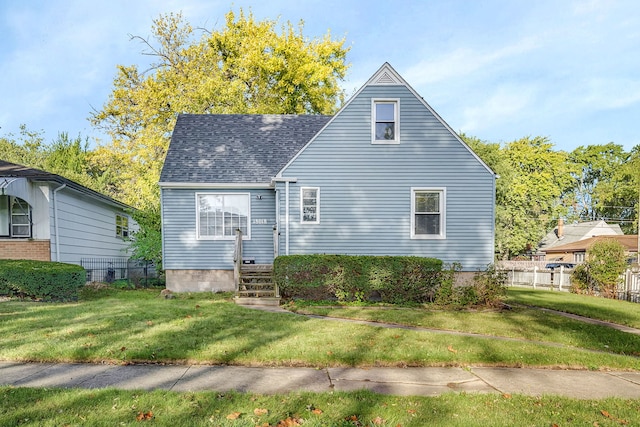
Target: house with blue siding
[
  {"x": 46, "y": 217},
  {"x": 385, "y": 175}
]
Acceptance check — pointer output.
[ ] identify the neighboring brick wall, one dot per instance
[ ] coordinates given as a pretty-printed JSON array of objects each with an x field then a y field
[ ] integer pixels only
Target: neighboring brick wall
[
  {"x": 39, "y": 250},
  {"x": 199, "y": 280}
]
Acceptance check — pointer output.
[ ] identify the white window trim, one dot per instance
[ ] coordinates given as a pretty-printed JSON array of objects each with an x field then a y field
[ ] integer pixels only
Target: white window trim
[
  {"x": 124, "y": 231},
  {"x": 10, "y": 215},
  {"x": 395, "y": 101},
  {"x": 443, "y": 216},
  {"x": 244, "y": 236},
  {"x": 317, "y": 221}
]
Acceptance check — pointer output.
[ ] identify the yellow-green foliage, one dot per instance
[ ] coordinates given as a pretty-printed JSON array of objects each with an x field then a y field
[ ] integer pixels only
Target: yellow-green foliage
[
  {"x": 601, "y": 273},
  {"x": 246, "y": 67}
]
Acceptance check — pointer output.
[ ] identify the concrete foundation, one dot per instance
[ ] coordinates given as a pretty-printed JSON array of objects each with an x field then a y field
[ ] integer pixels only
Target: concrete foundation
[{"x": 200, "y": 280}]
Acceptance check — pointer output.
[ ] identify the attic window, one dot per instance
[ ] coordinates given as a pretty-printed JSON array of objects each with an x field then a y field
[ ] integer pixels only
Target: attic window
[{"x": 385, "y": 124}]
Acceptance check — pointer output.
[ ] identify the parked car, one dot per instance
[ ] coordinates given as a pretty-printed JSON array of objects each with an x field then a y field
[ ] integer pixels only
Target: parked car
[{"x": 554, "y": 265}]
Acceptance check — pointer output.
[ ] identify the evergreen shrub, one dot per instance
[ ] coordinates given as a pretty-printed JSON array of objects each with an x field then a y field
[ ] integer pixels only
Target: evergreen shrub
[
  {"x": 42, "y": 280},
  {"x": 392, "y": 279}
]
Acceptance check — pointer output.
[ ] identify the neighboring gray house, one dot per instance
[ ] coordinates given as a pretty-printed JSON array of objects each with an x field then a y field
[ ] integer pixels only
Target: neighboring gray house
[
  {"x": 564, "y": 234},
  {"x": 384, "y": 176},
  {"x": 46, "y": 217}
]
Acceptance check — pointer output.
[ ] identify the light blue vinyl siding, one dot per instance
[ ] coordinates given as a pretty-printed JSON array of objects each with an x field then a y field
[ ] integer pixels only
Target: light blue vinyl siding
[
  {"x": 86, "y": 228},
  {"x": 182, "y": 250},
  {"x": 365, "y": 188}
]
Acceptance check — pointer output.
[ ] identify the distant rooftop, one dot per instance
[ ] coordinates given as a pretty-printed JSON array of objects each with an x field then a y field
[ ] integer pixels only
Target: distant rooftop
[{"x": 569, "y": 233}]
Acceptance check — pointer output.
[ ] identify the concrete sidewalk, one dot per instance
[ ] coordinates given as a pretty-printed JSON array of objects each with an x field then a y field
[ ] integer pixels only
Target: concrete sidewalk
[{"x": 396, "y": 381}]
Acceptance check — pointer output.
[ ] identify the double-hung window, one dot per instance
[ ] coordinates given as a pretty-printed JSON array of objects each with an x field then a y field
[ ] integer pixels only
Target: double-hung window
[
  {"x": 220, "y": 214},
  {"x": 122, "y": 226},
  {"x": 309, "y": 205},
  {"x": 385, "y": 123},
  {"x": 427, "y": 213},
  {"x": 15, "y": 217}
]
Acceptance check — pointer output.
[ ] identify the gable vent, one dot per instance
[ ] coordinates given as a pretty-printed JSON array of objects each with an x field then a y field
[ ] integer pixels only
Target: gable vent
[{"x": 385, "y": 79}]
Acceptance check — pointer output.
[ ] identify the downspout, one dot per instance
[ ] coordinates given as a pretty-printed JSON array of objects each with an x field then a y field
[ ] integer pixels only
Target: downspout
[
  {"x": 286, "y": 218},
  {"x": 286, "y": 209},
  {"x": 55, "y": 219}
]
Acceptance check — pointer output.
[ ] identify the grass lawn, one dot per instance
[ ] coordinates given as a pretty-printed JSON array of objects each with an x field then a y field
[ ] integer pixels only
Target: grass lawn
[
  {"x": 610, "y": 310},
  {"x": 116, "y": 326},
  {"x": 107, "y": 407},
  {"x": 138, "y": 326}
]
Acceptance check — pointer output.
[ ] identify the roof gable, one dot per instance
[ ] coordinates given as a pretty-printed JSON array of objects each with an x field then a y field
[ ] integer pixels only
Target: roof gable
[
  {"x": 388, "y": 76},
  {"x": 235, "y": 148}
]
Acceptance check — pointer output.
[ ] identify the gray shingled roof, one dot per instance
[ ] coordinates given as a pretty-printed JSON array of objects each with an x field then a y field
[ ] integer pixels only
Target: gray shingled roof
[
  {"x": 578, "y": 231},
  {"x": 235, "y": 148}
]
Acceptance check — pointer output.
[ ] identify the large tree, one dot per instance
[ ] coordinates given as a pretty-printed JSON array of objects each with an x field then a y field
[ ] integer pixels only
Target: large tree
[
  {"x": 619, "y": 196},
  {"x": 596, "y": 165},
  {"x": 246, "y": 67},
  {"x": 532, "y": 179}
]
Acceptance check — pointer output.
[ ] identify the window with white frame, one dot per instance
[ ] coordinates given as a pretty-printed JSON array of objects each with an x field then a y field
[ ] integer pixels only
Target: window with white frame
[
  {"x": 219, "y": 215},
  {"x": 427, "y": 213},
  {"x": 15, "y": 217},
  {"x": 579, "y": 256},
  {"x": 310, "y": 205},
  {"x": 122, "y": 226},
  {"x": 386, "y": 129}
]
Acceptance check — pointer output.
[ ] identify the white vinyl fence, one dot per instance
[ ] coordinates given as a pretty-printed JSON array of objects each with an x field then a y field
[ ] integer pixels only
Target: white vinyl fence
[
  {"x": 559, "y": 278},
  {"x": 533, "y": 275}
]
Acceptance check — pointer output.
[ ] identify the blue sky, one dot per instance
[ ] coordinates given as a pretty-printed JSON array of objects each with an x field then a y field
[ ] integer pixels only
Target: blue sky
[{"x": 498, "y": 70}]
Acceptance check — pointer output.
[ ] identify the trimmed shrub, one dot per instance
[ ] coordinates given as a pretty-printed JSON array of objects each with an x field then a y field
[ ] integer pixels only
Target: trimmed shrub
[
  {"x": 401, "y": 279},
  {"x": 41, "y": 280}
]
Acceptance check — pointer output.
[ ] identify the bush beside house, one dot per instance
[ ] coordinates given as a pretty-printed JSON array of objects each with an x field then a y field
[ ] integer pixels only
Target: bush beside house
[
  {"x": 41, "y": 280},
  {"x": 389, "y": 279}
]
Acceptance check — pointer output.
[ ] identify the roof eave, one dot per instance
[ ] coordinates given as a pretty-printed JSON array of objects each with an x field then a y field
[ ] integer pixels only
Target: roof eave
[{"x": 218, "y": 185}]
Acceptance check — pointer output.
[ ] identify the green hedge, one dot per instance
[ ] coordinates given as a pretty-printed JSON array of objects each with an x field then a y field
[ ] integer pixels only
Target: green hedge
[
  {"x": 41, "y": 280},
  {"x": 393, "y": 279}
]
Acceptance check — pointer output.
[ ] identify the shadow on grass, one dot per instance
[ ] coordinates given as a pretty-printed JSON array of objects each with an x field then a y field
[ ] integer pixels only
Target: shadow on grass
[
  {"x": 138, "y": 326},
  {"x": 25, "y": 406},
  {"x": 616, "y": 311}
]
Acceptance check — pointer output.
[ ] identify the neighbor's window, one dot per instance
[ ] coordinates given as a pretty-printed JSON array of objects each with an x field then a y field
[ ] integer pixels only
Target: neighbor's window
[
  {"x": 579, "y": 256},
  {"x": 15, "y": 217},
  {"x": 385, "y": 122},
  {"x": 427, "y": 213},
  {"x": 219, "y": 215},
  {"x": 122, "y": 226},
  {"x": 310, "y": 205}
]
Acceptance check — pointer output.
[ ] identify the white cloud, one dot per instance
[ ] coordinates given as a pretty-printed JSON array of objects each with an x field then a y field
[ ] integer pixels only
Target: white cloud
[
  {"x": 466, "y": 61},
  {"x": 508, "y": 103},
  {"x": 611, "y": 93}
]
